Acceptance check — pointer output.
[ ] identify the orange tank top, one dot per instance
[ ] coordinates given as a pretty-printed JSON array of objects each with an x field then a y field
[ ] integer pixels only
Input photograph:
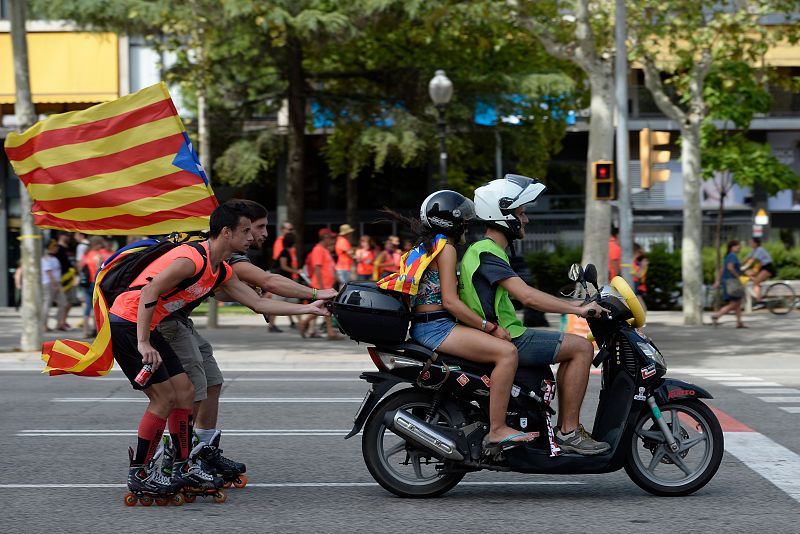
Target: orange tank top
[{"x": 126, "y": 305}]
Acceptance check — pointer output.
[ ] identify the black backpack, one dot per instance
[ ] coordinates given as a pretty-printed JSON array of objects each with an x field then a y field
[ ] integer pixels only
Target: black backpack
[{"x": 126, "y": 269}]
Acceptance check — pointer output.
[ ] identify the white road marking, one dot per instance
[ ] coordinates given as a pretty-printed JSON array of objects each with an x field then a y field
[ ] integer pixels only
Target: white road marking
[
  {"x": 746, "y": 384},
  {"x": 772, "y": 461},
  {"x": 305, "y": 484},
  {"x": 780, "y": 399},
  {"x": 119, "y": 432},
  {"x": 737, "y": 378},
  {"x": 298, "y": 379},
  {"x": 231, "y": 400},
  {"x": 791, "y": 409},
  {"x": 769, "y": 391}
]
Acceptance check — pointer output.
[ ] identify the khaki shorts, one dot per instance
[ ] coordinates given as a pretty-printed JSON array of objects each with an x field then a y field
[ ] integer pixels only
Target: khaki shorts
[{"x": 194, "y": 353}]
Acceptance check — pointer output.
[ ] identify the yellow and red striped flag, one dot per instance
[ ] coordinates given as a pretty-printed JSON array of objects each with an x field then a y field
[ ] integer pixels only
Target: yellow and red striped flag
[
  {"x": 412, "y": 266},
  {"x": 125, "y": 167}
]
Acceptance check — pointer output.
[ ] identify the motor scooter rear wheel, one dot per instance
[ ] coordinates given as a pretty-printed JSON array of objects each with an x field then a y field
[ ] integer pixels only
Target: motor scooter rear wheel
[
  {"x": 399, "y": 466},
  {"x": 656, "y": 469}
]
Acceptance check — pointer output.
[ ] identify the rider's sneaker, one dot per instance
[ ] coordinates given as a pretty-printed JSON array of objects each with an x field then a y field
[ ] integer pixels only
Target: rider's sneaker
[
  {"x": 580, "y": 442},
  {"x": 758, "y": 305}
]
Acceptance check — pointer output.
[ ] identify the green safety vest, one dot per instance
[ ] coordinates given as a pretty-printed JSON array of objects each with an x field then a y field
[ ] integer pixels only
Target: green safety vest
[{"x": 503, "y": 308}]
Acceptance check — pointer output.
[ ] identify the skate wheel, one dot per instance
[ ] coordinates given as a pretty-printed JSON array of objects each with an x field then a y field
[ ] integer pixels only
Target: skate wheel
[
  {"x": 227, "y": 484},
  {"x": 130, "y": 499},
  {"x": 178, "y": 499},
  {"x": 162, "y": 501},
  {"x": 189, "y": 497},
  {"x": 240, "y": 482},
  {"x": 146, "y": 501},
  {"x": 220, "y": 497}
]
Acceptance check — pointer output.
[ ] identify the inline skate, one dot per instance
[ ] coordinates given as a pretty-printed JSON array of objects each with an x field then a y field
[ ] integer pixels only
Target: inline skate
[
  {"x": 231, "y": 472},
  {"x": 146, "y": 484},
  {"x": 195, "y": 478}
]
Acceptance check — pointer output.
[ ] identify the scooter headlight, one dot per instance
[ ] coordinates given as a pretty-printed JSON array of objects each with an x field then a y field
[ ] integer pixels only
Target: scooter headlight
[{"x": 651, "y": 352}]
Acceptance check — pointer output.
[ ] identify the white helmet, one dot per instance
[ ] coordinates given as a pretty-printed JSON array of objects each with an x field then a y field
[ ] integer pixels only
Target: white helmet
[{"x": 496, "y": 201}]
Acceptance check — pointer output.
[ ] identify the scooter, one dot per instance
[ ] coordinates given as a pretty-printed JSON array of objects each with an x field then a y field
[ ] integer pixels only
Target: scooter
[{"x": 420, "y": 441}]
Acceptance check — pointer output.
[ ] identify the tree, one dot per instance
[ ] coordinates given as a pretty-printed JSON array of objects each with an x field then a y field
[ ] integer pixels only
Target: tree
[
  {"x": 577, "y": 31},
  {"x": 678, "y": 42},
  {"x": 30, "y": 237},
  {"x": 729, "y": 157}
]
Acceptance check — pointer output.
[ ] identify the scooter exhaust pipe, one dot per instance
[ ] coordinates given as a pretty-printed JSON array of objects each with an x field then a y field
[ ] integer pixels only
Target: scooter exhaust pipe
[{"x": 422, "y": 434}]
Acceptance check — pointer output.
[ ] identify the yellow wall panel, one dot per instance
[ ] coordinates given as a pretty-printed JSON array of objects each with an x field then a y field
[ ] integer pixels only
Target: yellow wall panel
[{"x": 65, "y": 67}]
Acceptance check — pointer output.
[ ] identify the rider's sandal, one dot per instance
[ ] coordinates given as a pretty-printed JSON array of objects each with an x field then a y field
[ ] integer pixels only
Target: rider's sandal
[{"x": 509, "y": 443}]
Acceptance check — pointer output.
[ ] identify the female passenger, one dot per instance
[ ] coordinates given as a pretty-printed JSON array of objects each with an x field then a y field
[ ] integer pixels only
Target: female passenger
[{"x": 441, "y": 322}]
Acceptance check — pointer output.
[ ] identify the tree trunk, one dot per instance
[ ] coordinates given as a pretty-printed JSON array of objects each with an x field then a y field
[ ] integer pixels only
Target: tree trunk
[
  {"x": 30, "y": 237},
  {"x": 295, "y": 182},
  {"x": 597, "y": 224},
  {"x": 692, "y": 243},
  {"x": 204, "y": 142},
  {"x": 352, "y": 202}
]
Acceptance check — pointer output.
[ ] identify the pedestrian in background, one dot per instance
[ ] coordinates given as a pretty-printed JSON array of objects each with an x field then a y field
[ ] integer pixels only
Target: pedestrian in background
[
  {"x": 388, "y": 261},
  {"x": 614, "y": 255},
  {"x": 759, "y": 267},
  {"x": 51, "y": 285},
  {"x": 639, "y": 273},
  {"x": 278, "y": 246},
  {"x": 732, "y": 288},
  {"x": 65, "y": 253},
  {"x": 88, "y": 266},
  {"x": 365, "y": 258},
  {"x": 344, "y": 254},
  {"x": 322, "y": 274}
]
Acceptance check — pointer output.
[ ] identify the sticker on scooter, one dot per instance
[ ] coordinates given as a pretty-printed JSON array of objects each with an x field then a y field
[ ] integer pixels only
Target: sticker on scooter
[
  {"x": 426, "y": 375},
  {"x": 649, "y": 371},
  {"x": 640, "y": 396},
  {"x": 463, "y": 380},
  {"x": 515, "y": 391},
  {"x": 523, "y": 422},
  {"x": 455, "y": 367},
  {"x": 486, "y": 380}
]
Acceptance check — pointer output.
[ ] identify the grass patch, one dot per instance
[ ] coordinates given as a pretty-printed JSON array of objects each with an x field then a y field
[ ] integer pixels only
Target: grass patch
[{"x": 233, "y": 309}]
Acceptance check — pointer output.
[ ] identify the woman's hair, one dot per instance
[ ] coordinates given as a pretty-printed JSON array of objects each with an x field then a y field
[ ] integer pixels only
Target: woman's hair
[
  {"x": 421, "y": 234},
  {"x": 289, "y": 240},
  {"x": 732, "y": 243}
]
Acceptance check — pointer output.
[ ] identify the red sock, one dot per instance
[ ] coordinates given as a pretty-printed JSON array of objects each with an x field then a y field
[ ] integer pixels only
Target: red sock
[
  {"x": 151, "y": 427},
  {"x": 179, "y": 430}
]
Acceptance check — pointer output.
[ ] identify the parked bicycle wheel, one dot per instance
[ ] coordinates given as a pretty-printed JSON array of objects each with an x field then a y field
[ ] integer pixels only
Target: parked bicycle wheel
[{"x": 779, "y": 298}]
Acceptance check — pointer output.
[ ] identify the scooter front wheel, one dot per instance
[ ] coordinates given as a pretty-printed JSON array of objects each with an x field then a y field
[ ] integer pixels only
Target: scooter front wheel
[{"x": 656, "y": 469}]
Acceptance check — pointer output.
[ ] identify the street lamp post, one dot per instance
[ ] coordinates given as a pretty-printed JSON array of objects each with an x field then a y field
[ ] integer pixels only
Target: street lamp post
[{"x": 440, "y": 89}]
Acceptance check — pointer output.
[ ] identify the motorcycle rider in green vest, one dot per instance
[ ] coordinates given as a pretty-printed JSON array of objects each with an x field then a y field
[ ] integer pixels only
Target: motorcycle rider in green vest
[{"x": 487, "y": 283}]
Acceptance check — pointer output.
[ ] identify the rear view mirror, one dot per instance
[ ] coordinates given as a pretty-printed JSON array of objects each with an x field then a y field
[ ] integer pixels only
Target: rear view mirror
[
  {"x": 590, "y": 274},
  {"x": 576, "y": 273}
]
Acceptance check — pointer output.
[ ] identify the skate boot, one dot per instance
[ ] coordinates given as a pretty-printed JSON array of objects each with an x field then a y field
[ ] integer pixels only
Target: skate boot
[
  {"x": 167, "y": 453},
  {"x": 147, "y": 484},
  {"x": 195, "y": 478},
  {"x": 231, "y": 472}
]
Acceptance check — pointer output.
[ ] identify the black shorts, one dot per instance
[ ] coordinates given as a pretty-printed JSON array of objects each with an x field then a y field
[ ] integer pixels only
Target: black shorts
[
  {"x": 770, "y": 268},
  {"x": 126, "y": 352}
]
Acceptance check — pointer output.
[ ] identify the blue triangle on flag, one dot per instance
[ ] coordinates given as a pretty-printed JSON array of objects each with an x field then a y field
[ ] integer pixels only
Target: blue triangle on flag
[{"x": 187, "y": 159}]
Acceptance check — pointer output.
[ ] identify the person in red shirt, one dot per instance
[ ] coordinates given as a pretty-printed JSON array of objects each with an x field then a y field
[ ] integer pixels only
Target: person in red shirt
[
  {"x": 89, "y": 264},
  {"x": 344, "y": 254},
  {"x": 277, "y": 247},
  {"x": 614, "y": 255},
  {"x": 365, "y": 258},
  {"x": 388, "y": 261},
  {"x": 322, "y": 273}
]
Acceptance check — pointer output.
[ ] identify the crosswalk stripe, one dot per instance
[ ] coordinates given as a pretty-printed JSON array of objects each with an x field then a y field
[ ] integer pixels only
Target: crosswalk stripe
[
  {"x": 737, "y": 378},
  {"x": 780, "y": 399},
  {"x": 772, "y": 461},
  {"x": 231, "y": 400},
  {"x": 746, "y": 384},
  {"x": 769, "y": 391},
  {"x": 790, "y": 409}
]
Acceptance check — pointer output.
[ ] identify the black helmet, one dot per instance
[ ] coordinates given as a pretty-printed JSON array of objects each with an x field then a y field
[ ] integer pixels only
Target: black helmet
[{"x": 447, "y": 212}]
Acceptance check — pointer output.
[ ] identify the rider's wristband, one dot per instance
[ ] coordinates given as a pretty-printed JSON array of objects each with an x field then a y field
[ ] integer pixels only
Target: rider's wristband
[{"x": 313, "y": 293}]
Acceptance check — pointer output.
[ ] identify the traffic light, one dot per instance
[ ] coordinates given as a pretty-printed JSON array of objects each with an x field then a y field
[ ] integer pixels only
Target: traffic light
[
  {"x": 603, "y": 178},
  {"x": 649, "y": 157}
]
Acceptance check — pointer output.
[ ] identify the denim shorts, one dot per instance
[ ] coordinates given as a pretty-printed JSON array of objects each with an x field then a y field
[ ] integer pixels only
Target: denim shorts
[
  {"x": 538, "y": 347},
  {"x": 431, "y": 334}
]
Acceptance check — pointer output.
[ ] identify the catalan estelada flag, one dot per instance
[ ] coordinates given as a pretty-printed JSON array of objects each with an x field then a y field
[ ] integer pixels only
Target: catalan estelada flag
[
  {"x": 412, "y": 266},
  {"x": 66, "y": 356},
  {"x": 125, "y": 167}
]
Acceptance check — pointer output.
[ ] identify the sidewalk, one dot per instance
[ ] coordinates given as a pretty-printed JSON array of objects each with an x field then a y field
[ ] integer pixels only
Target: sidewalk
[{"x": 243, "y": 343}]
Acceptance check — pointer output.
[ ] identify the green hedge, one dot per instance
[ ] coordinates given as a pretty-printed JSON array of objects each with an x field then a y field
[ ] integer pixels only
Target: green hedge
[{"x": 664, "y": 273}]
